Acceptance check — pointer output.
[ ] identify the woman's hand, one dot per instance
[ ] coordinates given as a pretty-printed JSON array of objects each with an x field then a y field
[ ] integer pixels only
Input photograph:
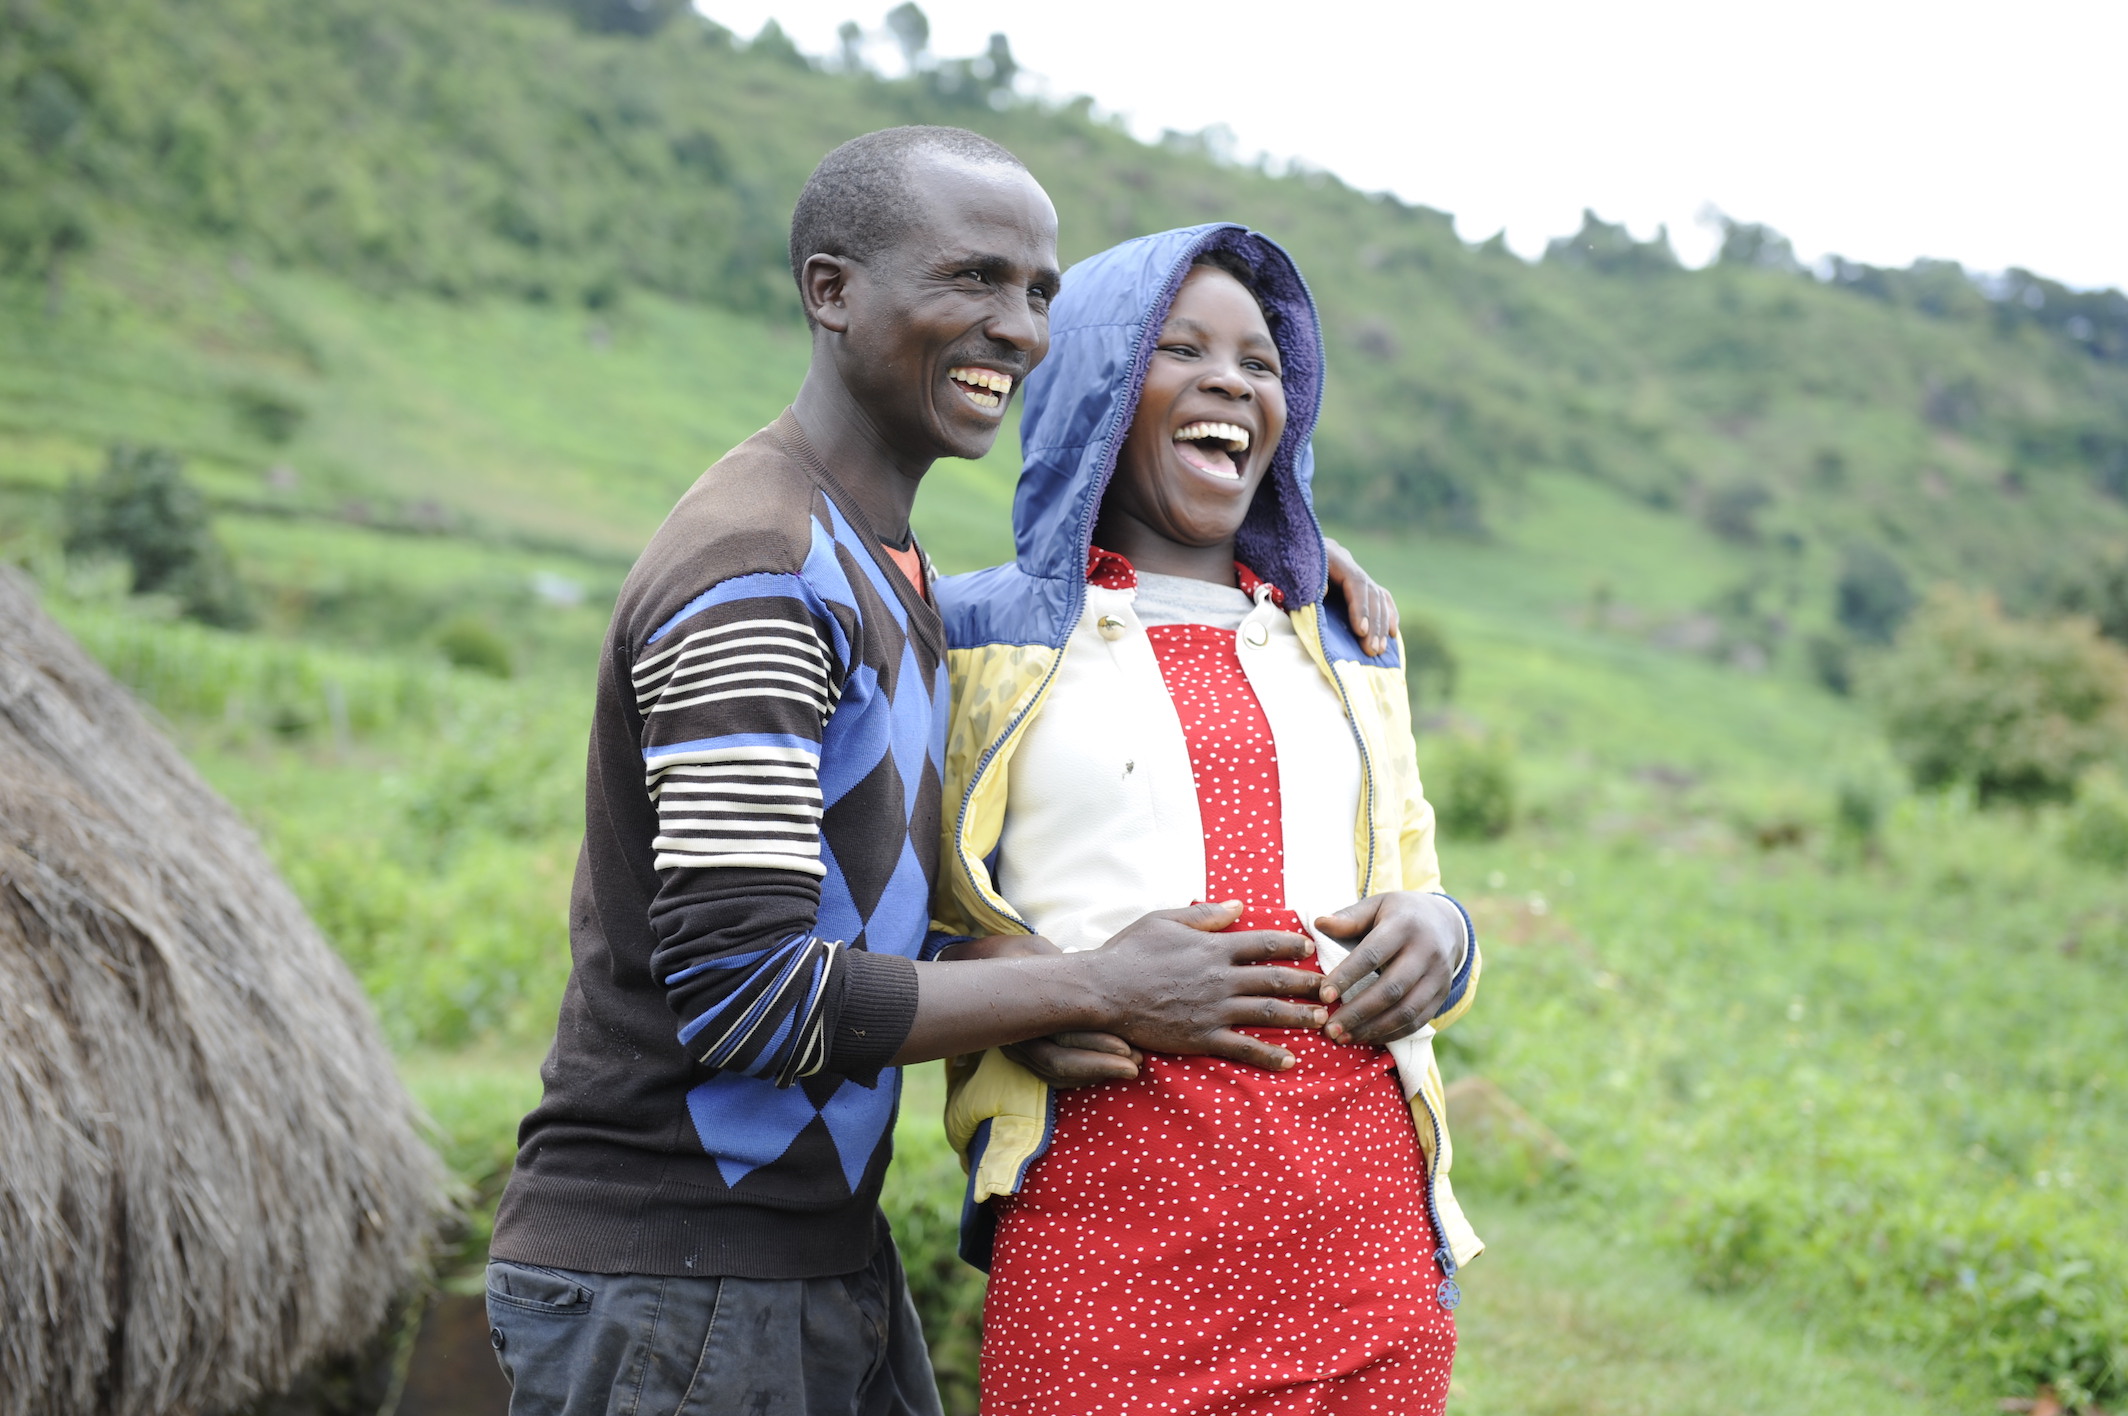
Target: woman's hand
[
  {"x": 1372, "y": 609},
  {"x": 1066, "y": 1059},
  {"x": 1414, "y": 942}
]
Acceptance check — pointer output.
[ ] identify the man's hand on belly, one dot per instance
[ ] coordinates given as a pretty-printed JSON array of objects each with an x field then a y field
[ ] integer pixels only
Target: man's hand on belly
[
  {"x": 1413, "y": 942},
  {"x": 1065, "y": 1059}
]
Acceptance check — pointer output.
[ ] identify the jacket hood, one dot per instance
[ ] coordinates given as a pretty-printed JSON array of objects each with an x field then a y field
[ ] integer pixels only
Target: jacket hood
[{"x": 1081, "y": 399}]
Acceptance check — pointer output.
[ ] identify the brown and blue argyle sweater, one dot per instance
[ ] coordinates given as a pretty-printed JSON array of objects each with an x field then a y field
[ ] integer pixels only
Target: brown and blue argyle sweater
[{"x": 761, "y": 834}]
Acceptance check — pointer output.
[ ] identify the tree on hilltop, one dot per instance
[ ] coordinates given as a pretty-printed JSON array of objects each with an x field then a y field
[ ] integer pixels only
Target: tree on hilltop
[
  {"x": 1611, "y": 250},
  {"x": 1754, "y": 244},
  {"x": 912, "y": 31}
]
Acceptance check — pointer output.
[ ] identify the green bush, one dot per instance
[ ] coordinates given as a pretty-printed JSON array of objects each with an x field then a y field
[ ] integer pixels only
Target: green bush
[
  {"x": 266, "y": 413},
  {"x": 1872, "y": 596},
  {"x": 1832, "y": 663},
  {"x": 1429, "y": 663},
  {"x": 1474, "y": 787},
  {"x": 471, "y": 643},
  {"x": 2001, "y": 1286},
  {"x": 923, "y": 1201},
  {"x": 1858, "y": 817},
  {"x": 2098, "y": 827},
  {"x": 2016, "y": 710},
  {"x": 2100, "y": 590},
  {"x": 144, "y": 510},
  {"x": 471, "y": 946}
]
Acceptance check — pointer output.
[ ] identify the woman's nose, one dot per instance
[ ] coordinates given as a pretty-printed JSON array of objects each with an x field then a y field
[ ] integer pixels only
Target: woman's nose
[{"x": 1226, "y": 379}]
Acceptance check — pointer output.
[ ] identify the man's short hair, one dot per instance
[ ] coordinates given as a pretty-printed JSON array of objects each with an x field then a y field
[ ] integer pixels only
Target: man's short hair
[{"x": 858, "y": 203}]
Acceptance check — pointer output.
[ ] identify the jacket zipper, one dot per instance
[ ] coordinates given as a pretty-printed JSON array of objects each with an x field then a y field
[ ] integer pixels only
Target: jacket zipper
[{"x": 1450, "y": 1292}]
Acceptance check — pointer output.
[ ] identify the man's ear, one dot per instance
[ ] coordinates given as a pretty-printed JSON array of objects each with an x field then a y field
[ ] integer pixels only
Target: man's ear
[{"x": 824, "y": 287}]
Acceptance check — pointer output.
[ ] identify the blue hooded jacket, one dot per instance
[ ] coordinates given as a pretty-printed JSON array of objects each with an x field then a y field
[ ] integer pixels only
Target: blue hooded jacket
[{"x": 1008, "y": 627}]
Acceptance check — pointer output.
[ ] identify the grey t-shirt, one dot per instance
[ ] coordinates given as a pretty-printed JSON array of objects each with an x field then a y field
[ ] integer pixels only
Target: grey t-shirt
[{"x": 1177, "y": 599}]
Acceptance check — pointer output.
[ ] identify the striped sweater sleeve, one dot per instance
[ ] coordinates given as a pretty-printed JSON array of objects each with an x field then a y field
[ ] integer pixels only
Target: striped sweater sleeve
[{"x": 734, "y": 693}]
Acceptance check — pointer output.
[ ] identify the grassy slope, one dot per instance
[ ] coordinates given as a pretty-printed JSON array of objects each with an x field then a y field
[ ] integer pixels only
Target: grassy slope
[
  {"x": 409, "y": 845},
  {"x": 1815, "y": 1166}
]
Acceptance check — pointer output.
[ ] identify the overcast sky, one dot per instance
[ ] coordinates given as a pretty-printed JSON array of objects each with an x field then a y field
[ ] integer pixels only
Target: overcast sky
[{"x": 1882, "y": 130}]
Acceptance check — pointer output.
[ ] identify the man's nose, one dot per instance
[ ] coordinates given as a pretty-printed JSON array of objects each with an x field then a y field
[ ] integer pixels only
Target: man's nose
[{"x": 1016, "y": 322}]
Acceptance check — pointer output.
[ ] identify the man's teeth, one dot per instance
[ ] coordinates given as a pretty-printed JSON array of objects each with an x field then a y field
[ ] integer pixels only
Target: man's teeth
[
  {"x": 985, "y": 388},
  {"x": 1236, "y": 438}
]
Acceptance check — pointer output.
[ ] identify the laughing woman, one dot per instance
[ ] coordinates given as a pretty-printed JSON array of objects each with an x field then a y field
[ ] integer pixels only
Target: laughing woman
[{"x": 1155, "y": 705}]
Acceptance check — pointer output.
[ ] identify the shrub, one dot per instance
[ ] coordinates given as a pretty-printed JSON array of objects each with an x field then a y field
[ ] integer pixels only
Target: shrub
[
  {"x": 1732, "y": 512},
  {"x": 1831, "y": 663},
  {"x": 2018, "y": 711},
  {"x": 1872, "y": 596},
  {"x": 922, "y": 1200},
  {"x": 1476, "y": 793},
  {"x": 2100, "y": 591},
  {"x": 471, "y": 643},
  {"x": 271, "y": 416},
  {"x": 144, "y": 510},
  {"x": 2098, "y": 829},
  {"x": 1429, "y": 662},
  {"x": 2004, "y": 1292},
  {"x": 1858, "y": 817}
]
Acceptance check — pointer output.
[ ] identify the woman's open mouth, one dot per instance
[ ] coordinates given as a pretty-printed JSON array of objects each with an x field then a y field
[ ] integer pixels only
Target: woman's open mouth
[
  {"x": 1215, "y": 449},
  {"x": 987, "y": 389}
]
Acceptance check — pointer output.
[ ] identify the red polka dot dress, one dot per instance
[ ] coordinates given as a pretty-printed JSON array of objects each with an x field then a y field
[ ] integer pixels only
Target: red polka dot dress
[{"x": 1214, "y": 1239}]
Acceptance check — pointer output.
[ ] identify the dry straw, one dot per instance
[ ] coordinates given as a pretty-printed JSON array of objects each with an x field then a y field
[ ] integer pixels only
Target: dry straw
[{"x": 211, "y": 1177}]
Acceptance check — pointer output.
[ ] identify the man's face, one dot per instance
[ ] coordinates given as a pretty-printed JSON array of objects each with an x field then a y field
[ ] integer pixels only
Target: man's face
[{"x": 941, "y": 328}]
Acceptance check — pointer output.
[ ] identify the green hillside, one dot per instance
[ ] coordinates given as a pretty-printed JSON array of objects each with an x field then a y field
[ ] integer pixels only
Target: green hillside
[
  {"x": 466, "y": 150},
  {"x": 443, "y": 304}
]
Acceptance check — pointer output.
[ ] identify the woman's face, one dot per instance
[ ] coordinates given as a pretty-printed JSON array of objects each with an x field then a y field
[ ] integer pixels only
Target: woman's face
[{"x": 1209, "y": 419}]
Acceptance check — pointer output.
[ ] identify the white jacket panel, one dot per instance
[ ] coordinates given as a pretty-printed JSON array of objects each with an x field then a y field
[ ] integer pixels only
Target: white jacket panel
[{"x": 1101, "y": 822}]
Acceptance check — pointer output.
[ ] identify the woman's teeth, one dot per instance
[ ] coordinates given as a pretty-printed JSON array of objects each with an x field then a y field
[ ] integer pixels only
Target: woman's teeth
[
  {"x": 985, "y": 388},
  {"x": 1236, "y": 438},
  {"x": 1208, "y": 448}
]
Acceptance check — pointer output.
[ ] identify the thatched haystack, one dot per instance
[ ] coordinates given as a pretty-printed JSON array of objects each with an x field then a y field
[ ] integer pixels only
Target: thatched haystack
[{"x": 211, "y": 1177}]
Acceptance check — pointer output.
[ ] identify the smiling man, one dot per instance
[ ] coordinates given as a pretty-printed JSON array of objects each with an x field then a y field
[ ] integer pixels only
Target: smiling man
[{"x": 693, "y": 1223}]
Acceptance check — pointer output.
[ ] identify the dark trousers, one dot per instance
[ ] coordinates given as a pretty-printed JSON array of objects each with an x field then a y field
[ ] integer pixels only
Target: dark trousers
[{"x": 591, "y": 1344}]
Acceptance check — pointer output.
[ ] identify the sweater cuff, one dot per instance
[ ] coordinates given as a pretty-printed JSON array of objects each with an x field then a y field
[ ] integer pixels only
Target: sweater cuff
[
  {"x": 877, "y": 1010},
  {"x": 938, "y": 941}
]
